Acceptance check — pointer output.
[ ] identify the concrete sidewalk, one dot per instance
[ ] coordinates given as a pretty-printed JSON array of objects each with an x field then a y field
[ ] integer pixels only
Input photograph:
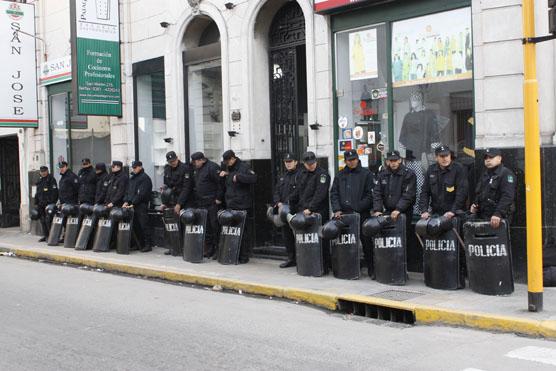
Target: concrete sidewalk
[{"x": 361, "y": 297}]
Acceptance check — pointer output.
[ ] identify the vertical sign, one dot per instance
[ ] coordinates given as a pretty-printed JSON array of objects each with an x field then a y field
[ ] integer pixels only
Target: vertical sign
[
  {"x": 18, "y": 75},
  {"x": 96, "y": 57}
]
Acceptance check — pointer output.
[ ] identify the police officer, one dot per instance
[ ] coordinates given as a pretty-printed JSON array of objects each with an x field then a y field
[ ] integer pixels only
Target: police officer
[
  {"x": 312, "y": 194},
  {"x": 445, "y": 188},
  {"x": 69, "y": 185},
  {"x": 101, "y": 182},
  {"x": 495, "y": 191},
  {"x": 47, "y": 193},
  {"x": 285, "y": 188},
  {"x": 137, "y": 197},
  {"x": 117, "y": 186},
  {"x": 87, "y": 182},
  {"x": 208, "y": 188},
  {"x": 395, "y": 189},
  {"x": 178, "y": 182},
  {"x": 238, "y": 178},
  {"x": 352, "y": 191}
]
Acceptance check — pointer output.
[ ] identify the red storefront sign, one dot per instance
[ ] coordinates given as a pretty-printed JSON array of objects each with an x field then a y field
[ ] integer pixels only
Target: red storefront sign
[{"x": 325, "y": 6}]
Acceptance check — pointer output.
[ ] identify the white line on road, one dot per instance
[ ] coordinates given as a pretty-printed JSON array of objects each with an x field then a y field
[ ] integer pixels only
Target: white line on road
[{"x": 537, "y": 354}]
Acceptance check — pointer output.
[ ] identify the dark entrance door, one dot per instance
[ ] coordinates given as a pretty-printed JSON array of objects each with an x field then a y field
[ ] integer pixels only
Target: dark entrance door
[
  {"x": 288, "y": 85},
  {"x": 9, "y": 182}
]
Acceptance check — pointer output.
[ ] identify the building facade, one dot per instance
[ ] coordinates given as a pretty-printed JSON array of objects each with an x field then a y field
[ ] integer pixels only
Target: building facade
[{"x": 265, "y": 77}]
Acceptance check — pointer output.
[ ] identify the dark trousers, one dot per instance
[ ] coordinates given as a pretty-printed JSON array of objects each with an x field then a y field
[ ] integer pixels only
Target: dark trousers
[
  {"x": 289, "y": 241},
  {"x": 45, "y": 220},
  {"x": 141, "y": 226},
  {"x": 246, "y": 240},
  {"x": 212, "y": 231}
]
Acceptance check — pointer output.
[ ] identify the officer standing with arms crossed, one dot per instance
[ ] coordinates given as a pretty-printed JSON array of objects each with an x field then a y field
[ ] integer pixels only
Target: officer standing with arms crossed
[
  {"x": 87, "y": 182},
  {"x": 495, "y": 191},
  {"x": 101, "y": 183},
  {"x": 286, "y": 187},
  {"x": 137, "y": 197},
  {"x": 47, "y": 193},
  {"x": 238, "y": 180},
  {"x": 207, "y": 186},
  {"x": 352, "y": 191},
  {"x": 69, "y": 185},
  {"x": 117, "y": 186}
]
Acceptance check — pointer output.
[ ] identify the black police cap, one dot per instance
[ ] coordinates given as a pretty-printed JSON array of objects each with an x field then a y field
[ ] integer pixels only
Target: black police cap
[
  {"x": 100, "y": 166},
  {"x": 137, "y": 163},
  {"x": 85, "y": 161},
  {"x": 309, "y": 157},
  {"x": 350, "y": 155},
  {"x": 442, "y": 150},
  {"x": 393, "y": 155},
  {"x": 117, "y": 163},
  {"x": 43, "y": 168},
  {"x": 171, "y": 156},
  {"x": 228, "y": 155},
  {"x": 493, "y": 152},
  {"x": 61, "y": 164},
  {"x": 289, "y": 157},
  {"x": 197, "y": 156}
]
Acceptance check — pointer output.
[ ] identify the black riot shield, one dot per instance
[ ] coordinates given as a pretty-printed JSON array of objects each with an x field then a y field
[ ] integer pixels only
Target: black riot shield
[
  {"x": 345, "y": 249},
  {"x": 88, "y": 222},
  {"x": 489, "y": 259},
  {"x": 308, "y": 244},
  {"x": 231, "y": 232},
  {"x": 103, "y": 234},
  {"x": 441, "y": 258},
  {"x": 389, "y": 252},
  {"x": 172, "y": 235},
  {"x": 194, "y": 228},
  {"x": 72, "y": 225},
  {"x": 56, "y": 229},
  {"x": 125, "y": 230}
]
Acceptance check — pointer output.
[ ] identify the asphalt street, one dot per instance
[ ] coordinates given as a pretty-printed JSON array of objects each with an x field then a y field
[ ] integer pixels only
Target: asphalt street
[{"x": 65, "y": 318}]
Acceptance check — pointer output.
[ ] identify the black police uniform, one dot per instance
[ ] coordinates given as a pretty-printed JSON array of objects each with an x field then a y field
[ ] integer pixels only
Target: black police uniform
[
  {"x": 395, "y": 190},
  {"x": 47, "y": 193},
  {"x": 285, "y": 188},
  {"x": 207, "y": 189},
  {"x": 179, "y": 180},
  {"x": 444, "y": 189},
  {"x": 495, "y": 193},
  {"x": 117, "y": 187},
  {"x": 352, "y": 191},
  {"x": 238, "y": 196},
  {"x": 138, "y": 195},
  {"x": 102, "y": 182},
  {"x": 69, "y": 188},
  {"x": 87, "y": 185}
]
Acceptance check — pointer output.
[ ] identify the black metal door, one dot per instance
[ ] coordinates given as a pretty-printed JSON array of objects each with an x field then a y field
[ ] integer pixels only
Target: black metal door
[
  {"x": 10, "y": 196},
  {"x": 287, "y": 89}
]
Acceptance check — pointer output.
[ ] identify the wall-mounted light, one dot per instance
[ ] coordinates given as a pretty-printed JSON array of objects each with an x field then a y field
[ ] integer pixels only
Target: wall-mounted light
[
  {"x": 315, "y": 126},
  {"x": 232, "y": 133},
  {"x": 229, "y": 6}
]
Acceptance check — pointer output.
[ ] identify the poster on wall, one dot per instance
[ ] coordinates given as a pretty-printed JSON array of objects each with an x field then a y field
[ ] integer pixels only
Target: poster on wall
[
  {"x": 363, "y": 61},
  {"x": 18, "y": 75},
  {"x": 96, "y": 57},
  {"x": 433, "y": 48}
]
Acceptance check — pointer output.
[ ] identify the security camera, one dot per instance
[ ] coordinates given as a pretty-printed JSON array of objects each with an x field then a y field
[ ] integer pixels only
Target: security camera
[
  {"x": 164, "y": 24},
  {"x": 229, "y": 5},
  {"x": 169, "y": 140}
]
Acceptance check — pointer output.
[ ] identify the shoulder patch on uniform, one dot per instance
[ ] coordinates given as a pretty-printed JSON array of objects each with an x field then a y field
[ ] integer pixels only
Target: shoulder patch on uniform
[
  {"x": 252, "y": 172},
  {"x": 323, "y": 178},
  {"x": 510, "y": 179}
]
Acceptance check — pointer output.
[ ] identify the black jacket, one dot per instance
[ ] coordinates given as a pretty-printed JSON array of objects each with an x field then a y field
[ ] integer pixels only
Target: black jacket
[
  {"x": 139, "y": 189},
  {"x": 180, "y": 180},
  {"x": 207, "y": 184},
  {"x": 238, "y": 194},
  {"x": 444, "y": 189},
  {"x": 286, "y": 187},
  {"x": 87, "y": 185},
  {"x": 69, "y": 188},
  {"x": 101, "y": 187},
  {"x": 352, "y": 190},
  {"x": 117, "y": 187},
  {"x": 312, "y": 192},
  {"x": 47, "y": 191},
  {"x": 395, "y": 190},
  {"x": 495, "y": 192}
]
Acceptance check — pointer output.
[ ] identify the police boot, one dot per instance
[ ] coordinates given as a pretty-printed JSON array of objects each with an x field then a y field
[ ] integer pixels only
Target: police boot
[
  {"x": 287, "y": 264},
  {"x": 43, "y": 239}
]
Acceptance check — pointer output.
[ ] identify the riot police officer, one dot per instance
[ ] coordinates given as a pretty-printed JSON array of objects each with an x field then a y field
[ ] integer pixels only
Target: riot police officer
[
  {"x": 137, "y": 197},
  {"x": 312, "y": 192},
  {"x": 101, "y": 182},
  {"x": 395, "y": 189},
  {"x": 208, "y": 191},
  {"x": 285, "y": 188},
  {"x": 445, "y": 188},
  {"x": 352, "y": 191},
  {"x": 495, "y": 191},
  {"x": 47, "y": 193},
  {"x": 178, "y": 183},
  {"x": 238, "y": 178},
  {"x": 87, "y": 182},
  {"x": 117, "y": 186},
  {"x": 69, "y": 185}
]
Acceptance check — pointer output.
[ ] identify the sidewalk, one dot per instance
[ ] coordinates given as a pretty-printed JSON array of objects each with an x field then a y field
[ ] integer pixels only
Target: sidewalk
[{"x": 264, "y": 277}]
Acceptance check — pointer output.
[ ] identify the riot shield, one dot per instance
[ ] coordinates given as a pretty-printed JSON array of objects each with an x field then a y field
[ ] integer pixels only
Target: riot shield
[
  {"x": 125, "y": 230},
  {"x": 231, "y": 232},
  {"x": 308, "y": 244},
  {"x": 489, "y": 259},
  {"x": 194, "y": 231},
  {"x": 56, "y": 229},
  {"x": 441, "y": 258},
  {"x": 72, "y": 226},
  {"x": 345, "y": 248},
  {"x": 88, "y": 222},
  {"x": 172, "y": 236},
  {"x": 389, "y": 252},
  {"x": 103, "y": 234}
]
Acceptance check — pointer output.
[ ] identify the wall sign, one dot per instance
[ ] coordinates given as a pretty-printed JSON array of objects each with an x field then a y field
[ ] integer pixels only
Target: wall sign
[
  {"x": 56, "y": 70},
  {"x": 18, "y": 75},
  {"x": 96, "y": 57}
]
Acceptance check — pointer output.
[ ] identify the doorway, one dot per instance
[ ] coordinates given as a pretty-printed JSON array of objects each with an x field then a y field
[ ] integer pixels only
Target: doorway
[{"x": 10, "y": 193}]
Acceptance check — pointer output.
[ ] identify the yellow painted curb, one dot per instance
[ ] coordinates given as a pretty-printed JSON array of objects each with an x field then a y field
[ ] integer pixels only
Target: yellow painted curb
[{"x": 423, "y": 314}]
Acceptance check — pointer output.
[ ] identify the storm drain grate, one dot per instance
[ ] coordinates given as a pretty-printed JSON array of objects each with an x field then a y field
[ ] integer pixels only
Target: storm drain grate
[
  {"x": 397, "y": 295},
  {"x": 376, "y": 311}
]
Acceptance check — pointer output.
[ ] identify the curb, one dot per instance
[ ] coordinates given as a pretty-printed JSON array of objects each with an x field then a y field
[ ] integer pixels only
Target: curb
[{"x": 422, "y": 314}]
